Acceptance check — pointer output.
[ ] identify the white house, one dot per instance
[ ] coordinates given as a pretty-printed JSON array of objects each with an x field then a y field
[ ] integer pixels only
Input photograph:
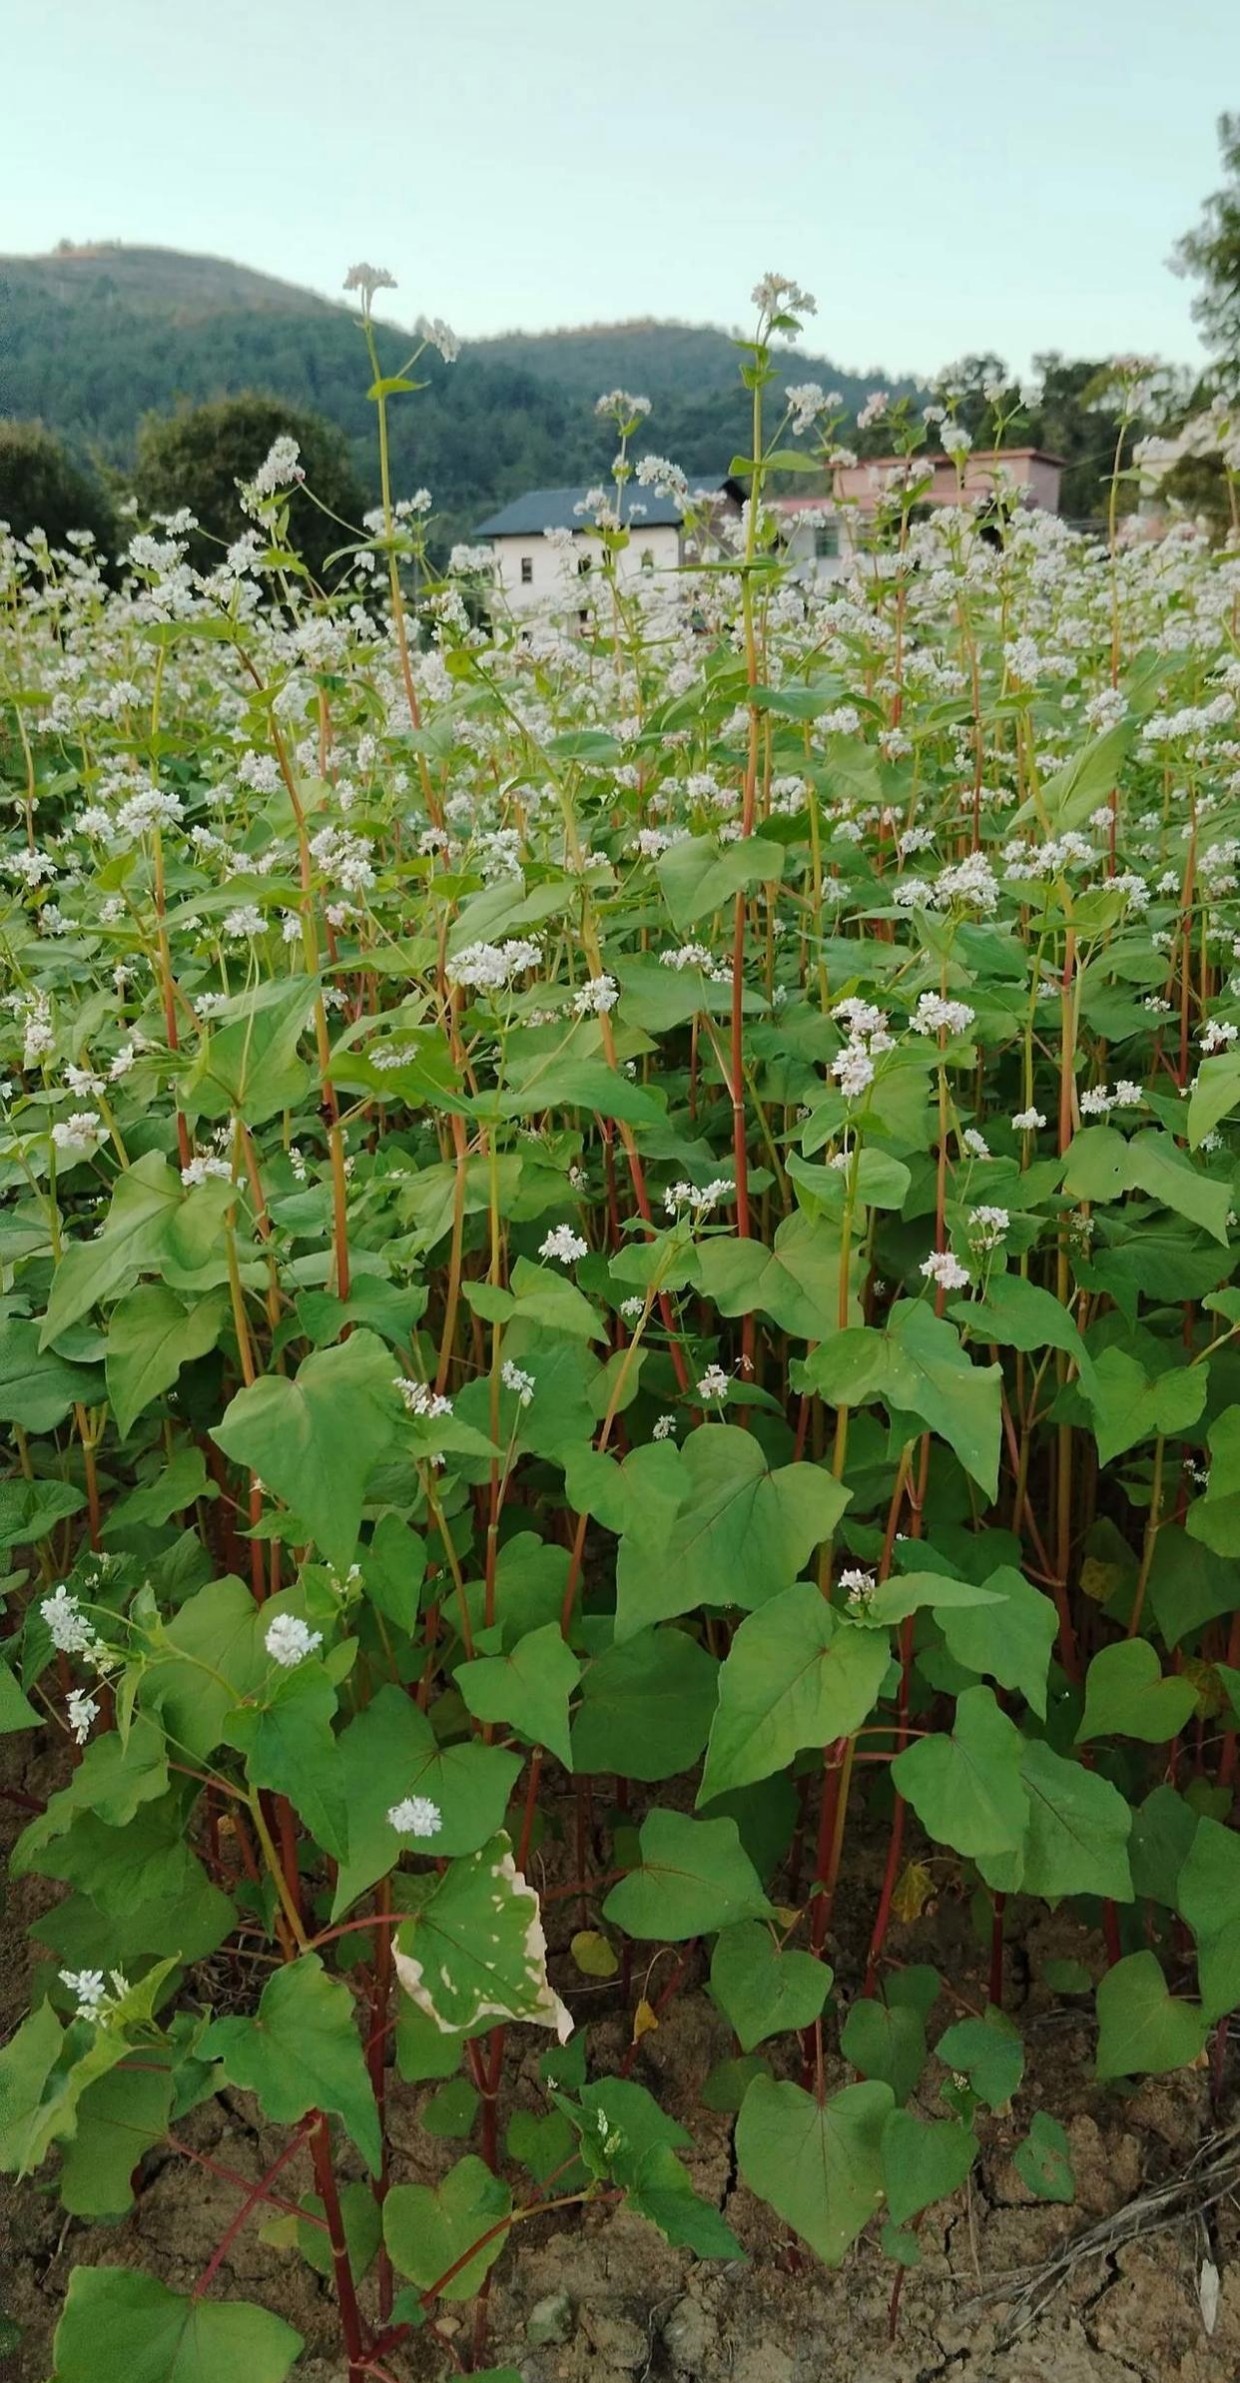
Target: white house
[{"x": 533, "y": 567}]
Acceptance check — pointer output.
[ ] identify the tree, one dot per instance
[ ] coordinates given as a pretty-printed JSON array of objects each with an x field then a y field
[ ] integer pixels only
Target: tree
[
  {"x": 196, "y": 457},
  {"x": 42, "y": 488},
  {"x": 1210, "y": 253}
]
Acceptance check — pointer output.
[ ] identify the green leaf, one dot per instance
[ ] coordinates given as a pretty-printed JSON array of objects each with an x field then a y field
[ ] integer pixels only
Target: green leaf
[
  {"x": 451, "y": 2112},
  {"x": 389, "y": 1752},
  {"x": 1043, "y": 2161},
  {"x": 646, "y": 1706},
  {"x": 119, "y": 2117},
  {"x": 26, "y": 2065},
  {"x": 30, "y": 1510},
  {"x": 761, "y": 1990},
  {"x": 1215, "y": 1093},
  {"x": 428, "y": 2228},
  {"x": 796, "y": 1675},
  {"x": 393, "y": 1568},
  {"x": 929, "y": 1375},
  {"x": 289, "y": 1745},
  {"x": 474, "y": 1949},
  {"x": 742, "y": 1534},
  {"x": 209, "y": 1656},
  {"x": 1127, "y": 1696},
  {"x": 530, "y": 1686},
  {"x": 290, "y": 1434},
  {"x": 151, "y": 1335},
  {"x": 1157, "y": 1166},
  {"x": 1209, "y": 1900},
  {"x": 1076, "y": 1841},
  {"x": 967, "y": 1789},
  {"x": 693, "y": 1877},
  {"x": 170, "y": 1490},
  {"x": 660, "y": 2190},
  {"x": 819, "y": 2166},
  {"x": 1142, "y": 2029},
  {"x": 988, "y": 2052},
  {"x": 16, "y": 1710},
  {"x": 1215, "y": 1518},
  {"x": 301, "y": 2051},
  {"x": 699, "y": 875},
  {"x": 1129, "y": 1407},
  {"x": 38, "y": 1390},
  {"x": 144, "y": 1206},
  {"x": 1020, "y": 1315},
  {"x": 885, "y": 2041},
  {"x": 363, "y": 2231},
  {"x": 1011, "y": 1641},
  {"x": 796, "y": 1283},
  {"x": 924, "y": 2159},
  {"x": 247, "y": 1065},
  {"x": 121, "y": 2326}
]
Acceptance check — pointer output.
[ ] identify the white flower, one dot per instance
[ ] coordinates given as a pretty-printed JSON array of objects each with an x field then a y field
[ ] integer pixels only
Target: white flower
[
  {"x": 79, "y": 1136},
  {"x": 596, "y": 997},
  {"x": 858, "y": 1587},
  {"x": 632, "y": 1309},
  {"x": 714, "y": 1384},
  {"x": 853, "y": 1070},
  {"x": 201, "y": 1170},
  {"x": 280, "y": 468},
  {"x": 489, "y": 966},
  {"x": 1027, "y": 1121},
  {"x": 416, "y": 1816},
  {"x": 564, "y": 1244},
  {"x": 1217, "y": 1035},
  {"x": 976, "y": 1144},
  {"x": 368, "y": 279},
  {"x": 244, "y": 921},
  {"x": 945, "y": 1270},
  {"x": 933, "y": 1013},
  {"x": 289, "y": 1640},
  {"x": 70, "y": 1631},
  {"x": 82, "y": 1710},
  {"x": 987, "y": 1226},
  {"x": 88, "y": 1986},
  {"x": 664, "y": 1426},
  {"x": 421, "y": 1400},
  {"x": 521, "y": 1384}
]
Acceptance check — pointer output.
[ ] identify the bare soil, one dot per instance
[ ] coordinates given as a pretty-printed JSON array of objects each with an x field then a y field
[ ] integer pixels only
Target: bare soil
[{"x": 642, "y": 2313}]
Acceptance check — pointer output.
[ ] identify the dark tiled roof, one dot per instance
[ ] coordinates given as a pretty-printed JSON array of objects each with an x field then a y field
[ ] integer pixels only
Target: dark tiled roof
[{"x": 556, "y": 509}]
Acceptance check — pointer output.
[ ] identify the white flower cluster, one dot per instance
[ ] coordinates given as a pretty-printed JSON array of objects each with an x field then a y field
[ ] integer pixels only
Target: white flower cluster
[
  {"x": 289, "y": 1640},
  {"x": 428, "y": 1405},
  {"x": 488, "y": 967},
  {"x": 415, "y": 1816},
  {"x": 562, "y": 1243},
  {"x": 853, "y": 1067}
]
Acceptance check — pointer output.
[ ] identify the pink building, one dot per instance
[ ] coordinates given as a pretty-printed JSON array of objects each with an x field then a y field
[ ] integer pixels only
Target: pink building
[{"x": 824, "y": 532}]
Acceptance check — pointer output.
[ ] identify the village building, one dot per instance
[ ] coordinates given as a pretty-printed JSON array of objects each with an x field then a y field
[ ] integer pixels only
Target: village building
[
  {"x": 825, "y": 534},
  {"x": 531, "y": 563}
]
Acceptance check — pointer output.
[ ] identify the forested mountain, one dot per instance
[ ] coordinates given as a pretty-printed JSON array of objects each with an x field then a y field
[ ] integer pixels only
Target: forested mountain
[{"x": 91, "y": 339}]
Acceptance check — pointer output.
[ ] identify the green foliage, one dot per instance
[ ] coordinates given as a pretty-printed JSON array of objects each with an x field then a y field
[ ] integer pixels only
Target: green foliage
[
  {"x": 584, "y": 1323},
  {"x": 42, "y": 488},
  {"x": 196, "y": 457}
]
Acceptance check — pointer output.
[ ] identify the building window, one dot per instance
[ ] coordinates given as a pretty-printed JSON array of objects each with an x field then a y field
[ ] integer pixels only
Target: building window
[
  {"x": 827, "y": 541},
  {"x": 647, "y": 558},
  {"x": 527, "y": 570}
]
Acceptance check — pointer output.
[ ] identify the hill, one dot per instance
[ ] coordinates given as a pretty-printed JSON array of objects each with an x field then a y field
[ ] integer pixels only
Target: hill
[
  {"x": 91, "y": 338},
  {"x": 657, "y": 359}
]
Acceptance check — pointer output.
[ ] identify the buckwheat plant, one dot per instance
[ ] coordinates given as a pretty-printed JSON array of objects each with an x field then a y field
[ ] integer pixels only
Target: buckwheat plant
[{"x": 617, "y": 1282}]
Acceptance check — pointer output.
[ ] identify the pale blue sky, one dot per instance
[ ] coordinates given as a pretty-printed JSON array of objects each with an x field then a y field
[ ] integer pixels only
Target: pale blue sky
[{"x": 943, "y": 174}]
